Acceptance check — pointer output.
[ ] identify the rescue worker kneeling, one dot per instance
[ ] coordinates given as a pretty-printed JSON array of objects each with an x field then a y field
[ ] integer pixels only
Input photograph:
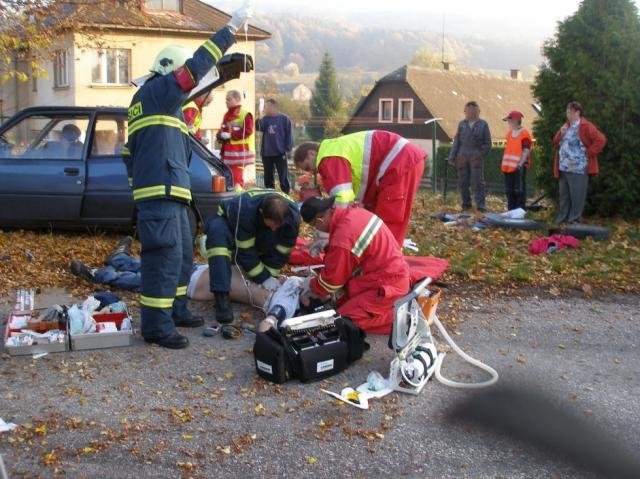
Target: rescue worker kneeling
[
  {"x": 363, "y": 266},
  {"x": 257, "y": 230}
]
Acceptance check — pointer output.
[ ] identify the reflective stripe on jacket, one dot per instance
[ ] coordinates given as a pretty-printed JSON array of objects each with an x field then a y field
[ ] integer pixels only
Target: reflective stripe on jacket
[
  {"x": 261, "y": 252},
  {"x": 370, "y": 155},
  {"x": 240, "y": 151},
  {"x": 158, "y": 137},
  {"x": 362, "y": 254}
]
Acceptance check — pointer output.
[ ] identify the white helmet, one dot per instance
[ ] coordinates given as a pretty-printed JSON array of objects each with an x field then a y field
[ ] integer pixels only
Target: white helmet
[{"x": 170, "y": 58}]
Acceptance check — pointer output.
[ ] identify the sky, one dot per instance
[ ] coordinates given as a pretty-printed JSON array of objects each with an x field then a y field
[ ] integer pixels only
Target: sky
[{"x": 533, "y": 20}]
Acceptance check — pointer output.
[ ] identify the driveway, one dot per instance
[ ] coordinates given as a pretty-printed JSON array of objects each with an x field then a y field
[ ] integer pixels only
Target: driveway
[{"x": 148, "y": 412}]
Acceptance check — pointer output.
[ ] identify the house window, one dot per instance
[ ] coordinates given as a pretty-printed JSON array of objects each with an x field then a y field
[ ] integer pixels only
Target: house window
[
  {"x": 385, "y": 110},
  {"x": 110, "y": 67},
  {"x": 167, "y": 5},
  {"x": 405, "y": 111},
  {"x": 60, "y": 73}
]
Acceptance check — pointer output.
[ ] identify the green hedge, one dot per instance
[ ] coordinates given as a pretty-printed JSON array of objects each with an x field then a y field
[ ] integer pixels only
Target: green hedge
[{"x": 493, "y": 176}]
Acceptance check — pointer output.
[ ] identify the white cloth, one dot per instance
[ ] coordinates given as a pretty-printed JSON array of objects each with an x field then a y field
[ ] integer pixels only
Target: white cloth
[
  {"x": 225, "y": 135},
  {"x": 6, "y": 426},
  {"x": 271, "y": 284},
  {"x": 408, "y": 243},
  {"x": 195, "y": 276},
  {"x": 517, "y": 214},
  {"x": 287, "y": 296}
]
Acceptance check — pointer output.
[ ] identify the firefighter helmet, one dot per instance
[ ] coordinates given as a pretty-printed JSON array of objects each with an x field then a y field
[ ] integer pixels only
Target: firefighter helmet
[{"x": 170, "y": 58}]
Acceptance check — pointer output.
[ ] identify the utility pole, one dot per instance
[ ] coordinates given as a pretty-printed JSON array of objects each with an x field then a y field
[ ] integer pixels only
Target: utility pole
[{"x": 434, "y": 163}]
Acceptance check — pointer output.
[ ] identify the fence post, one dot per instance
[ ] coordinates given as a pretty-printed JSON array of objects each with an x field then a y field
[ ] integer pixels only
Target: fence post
[{"x": 434, "y": 163}]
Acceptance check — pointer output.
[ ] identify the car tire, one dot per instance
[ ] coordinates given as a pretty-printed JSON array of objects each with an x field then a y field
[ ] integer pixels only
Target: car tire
[
  {"x": 514, "y": 224},
  {"x": 582, "y": 231}
]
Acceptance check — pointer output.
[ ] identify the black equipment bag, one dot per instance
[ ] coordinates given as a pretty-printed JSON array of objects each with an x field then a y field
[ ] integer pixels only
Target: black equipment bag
[{"x": 309, "y": 355}]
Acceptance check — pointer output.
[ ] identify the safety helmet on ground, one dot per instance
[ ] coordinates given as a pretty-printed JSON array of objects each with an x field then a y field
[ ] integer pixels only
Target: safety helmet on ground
[{"x": 170, "y": 58}]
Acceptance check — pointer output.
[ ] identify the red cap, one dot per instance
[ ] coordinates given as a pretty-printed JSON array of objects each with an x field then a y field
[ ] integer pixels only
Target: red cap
[{"x": 514, "y": 115}]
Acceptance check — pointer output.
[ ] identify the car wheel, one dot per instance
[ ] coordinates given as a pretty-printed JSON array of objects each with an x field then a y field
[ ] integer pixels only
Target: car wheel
[{"x": 582, "y": 231}]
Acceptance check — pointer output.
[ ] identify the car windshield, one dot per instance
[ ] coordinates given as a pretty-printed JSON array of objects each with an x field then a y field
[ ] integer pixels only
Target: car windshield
[{"x": 46, "y": 137}]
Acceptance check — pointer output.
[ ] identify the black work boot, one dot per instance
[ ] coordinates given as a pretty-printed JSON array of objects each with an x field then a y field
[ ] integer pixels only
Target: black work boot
[
  {"x": 173, "y": 340},
  {"x": 123, "y": 246},
  {"x": 80, "y": 269},
  {"x": 224, "y": 313}
]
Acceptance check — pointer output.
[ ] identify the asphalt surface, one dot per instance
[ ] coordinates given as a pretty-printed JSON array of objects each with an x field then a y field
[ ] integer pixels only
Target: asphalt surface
[{"x": 201, "y": 412}]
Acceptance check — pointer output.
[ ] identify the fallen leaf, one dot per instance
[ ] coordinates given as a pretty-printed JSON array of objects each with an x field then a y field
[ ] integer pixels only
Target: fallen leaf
[
  {"x": 260, "y": 410},
  {"x": 520, "y": 358},
  {"x": 311, "y": 460},
  {"x": 228, "y": 375}
]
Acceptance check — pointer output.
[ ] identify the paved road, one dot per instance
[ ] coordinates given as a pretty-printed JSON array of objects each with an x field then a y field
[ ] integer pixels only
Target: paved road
[{"x": 146, "y": 412}]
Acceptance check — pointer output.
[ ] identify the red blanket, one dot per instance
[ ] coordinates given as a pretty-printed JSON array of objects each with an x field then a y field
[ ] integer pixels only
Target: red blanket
[
  {"x": 426, "y": 266},
  {"x": 420, "y": 266}
]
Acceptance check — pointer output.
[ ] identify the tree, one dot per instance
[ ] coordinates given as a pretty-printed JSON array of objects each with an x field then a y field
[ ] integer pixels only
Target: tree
[
  {"x": 326, "y": 103},
  {"x": 29, "y": 29},
  {"x": 427, "y": 58},
  {"x": 594, "y": 59}
]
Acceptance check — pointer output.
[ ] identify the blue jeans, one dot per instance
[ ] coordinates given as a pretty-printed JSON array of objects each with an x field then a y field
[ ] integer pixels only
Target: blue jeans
[{"x": 122, "y": 271}]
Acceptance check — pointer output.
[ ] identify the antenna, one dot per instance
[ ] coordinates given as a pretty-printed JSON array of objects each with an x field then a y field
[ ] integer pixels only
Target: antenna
[{"x": 443, "y": 18}]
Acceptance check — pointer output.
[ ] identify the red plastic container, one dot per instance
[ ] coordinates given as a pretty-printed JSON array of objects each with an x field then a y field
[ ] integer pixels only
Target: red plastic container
[{"x": 111, "y": 318}]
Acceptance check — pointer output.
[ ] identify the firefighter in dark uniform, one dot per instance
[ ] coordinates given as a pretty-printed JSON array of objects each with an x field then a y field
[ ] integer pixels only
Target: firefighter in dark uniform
[
  {"x": 257, "y": 230},
  {"x": 158, "y": 167}
]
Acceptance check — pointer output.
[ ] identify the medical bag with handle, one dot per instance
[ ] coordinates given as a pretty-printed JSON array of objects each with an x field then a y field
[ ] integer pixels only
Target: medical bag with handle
[{"x": 309, "y": 348}]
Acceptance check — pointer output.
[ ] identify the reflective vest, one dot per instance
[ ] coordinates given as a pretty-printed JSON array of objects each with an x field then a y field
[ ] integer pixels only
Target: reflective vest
[
  {"x": 197, "y": 120},
  {"x": 513, "y": 151},
  {"x": 368, "y": 163},
  {"x": 237, "y": 152}
]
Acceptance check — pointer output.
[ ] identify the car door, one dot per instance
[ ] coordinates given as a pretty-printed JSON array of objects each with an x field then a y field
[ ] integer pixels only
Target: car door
[
  {"x": 42, "y": 170},
  {"x": 107, "y": 199}
]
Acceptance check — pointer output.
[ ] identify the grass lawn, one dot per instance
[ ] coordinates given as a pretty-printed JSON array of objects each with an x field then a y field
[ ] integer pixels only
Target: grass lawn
[
  {"x": 498, "y": 257},
  {"x": 492, "y": 258}
]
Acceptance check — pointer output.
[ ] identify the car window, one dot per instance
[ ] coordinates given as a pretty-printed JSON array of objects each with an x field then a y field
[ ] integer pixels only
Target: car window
[
  {"x": 109, "y": 136},
  {"x": 46, "y": 137}
]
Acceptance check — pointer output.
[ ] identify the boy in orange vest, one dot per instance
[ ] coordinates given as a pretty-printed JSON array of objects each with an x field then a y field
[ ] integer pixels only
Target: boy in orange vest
[{"x": 516, "y": 161}]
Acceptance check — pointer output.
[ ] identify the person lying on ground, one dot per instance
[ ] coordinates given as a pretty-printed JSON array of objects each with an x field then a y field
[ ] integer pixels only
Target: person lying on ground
[{"x": 122, "y": 271}]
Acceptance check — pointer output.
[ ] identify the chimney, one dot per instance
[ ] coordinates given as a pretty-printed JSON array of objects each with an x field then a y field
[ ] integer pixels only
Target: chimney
[
  {"x": 445, "y": 66},
  {"x": 516, "y": 74}
]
